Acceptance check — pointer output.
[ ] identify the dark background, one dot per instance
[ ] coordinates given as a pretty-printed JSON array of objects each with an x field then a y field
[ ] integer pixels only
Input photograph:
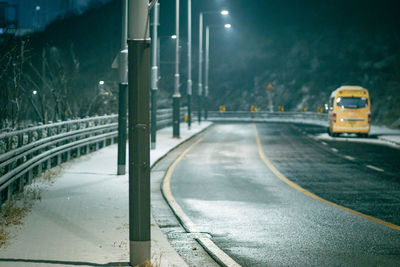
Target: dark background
[{"x": 305, "y": 48}]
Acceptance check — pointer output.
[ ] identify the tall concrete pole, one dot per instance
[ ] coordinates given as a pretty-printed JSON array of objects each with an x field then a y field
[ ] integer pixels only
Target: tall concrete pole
[
  {"x": 177, "y": 95},
  {"x": 200, "y": 85},
  {"x": 154, "y": 77},
  {"x": 122, "y": 98},
  {"x": 189, "y": 82},
  {"x": 139, "y": 133},
  {"x": 206, "y": 72}
]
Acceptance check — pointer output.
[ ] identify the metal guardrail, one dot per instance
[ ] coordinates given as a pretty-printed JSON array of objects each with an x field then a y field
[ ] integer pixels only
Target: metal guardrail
[
  {"x": 25, "y": 153},
  {"x": 299, "y": 117}
]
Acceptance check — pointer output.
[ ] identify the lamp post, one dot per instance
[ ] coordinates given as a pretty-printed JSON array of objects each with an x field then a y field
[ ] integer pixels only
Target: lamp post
[
  {"x": 122, "y": 96},
  {"x": 139, "y": 133},
  {"x": 200, "y": 84},
  {"x": 154, "y": 77},
  {"x": 206, "y": 91},
  {"x": 189, "y": 82},
  {"x": 177, "y": 95}
]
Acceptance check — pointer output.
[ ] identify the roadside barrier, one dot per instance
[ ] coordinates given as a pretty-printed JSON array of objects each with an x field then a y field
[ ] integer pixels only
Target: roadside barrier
[{"x": 24, "y": 154}]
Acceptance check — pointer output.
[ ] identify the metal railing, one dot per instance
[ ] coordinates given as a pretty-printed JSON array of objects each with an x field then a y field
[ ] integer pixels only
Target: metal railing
[
  {"x": 25, "y": 153},
  {"x": 260, "y": 116}
]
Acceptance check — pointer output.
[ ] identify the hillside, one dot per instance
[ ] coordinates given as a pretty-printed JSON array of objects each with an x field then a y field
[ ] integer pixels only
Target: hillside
[{"x": 305, "y": 50}]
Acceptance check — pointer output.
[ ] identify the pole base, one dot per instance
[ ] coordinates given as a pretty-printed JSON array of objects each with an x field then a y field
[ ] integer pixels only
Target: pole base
[
  {"x": 121, "y": 170},
  {"x": 153, "y": 145},
  {"x": 140, "y": 252},
  {"x": 175, "y": 117}
]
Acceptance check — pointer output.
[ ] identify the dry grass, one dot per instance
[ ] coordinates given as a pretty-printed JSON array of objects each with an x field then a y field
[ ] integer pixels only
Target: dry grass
[
  {"x": 12, "y": 214},
  {"x": 49, "y": 175},
  {"x": 146, "y": 264},
  {"x": 4, "y": 236},
  {"x": 14, "y": 211}
]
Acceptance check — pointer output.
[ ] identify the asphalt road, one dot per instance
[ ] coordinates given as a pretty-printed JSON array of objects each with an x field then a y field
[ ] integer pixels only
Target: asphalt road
[{"x": 227, "y": 190}]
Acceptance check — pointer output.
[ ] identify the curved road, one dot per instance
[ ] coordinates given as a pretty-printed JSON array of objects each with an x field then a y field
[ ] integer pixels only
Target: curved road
[{"x": 226, "y": 188}]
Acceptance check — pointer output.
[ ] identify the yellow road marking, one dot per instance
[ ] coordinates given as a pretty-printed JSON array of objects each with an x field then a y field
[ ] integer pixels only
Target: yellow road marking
[
  {"x": 207, "y": 243},
  {"x": 304, "y": 191}
]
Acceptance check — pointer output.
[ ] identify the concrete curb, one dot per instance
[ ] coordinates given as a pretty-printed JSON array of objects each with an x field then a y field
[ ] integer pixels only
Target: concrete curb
[{"x": 212, "y": 249}]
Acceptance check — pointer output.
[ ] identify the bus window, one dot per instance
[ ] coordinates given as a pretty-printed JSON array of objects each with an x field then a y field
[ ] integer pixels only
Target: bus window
[{"x": 352, "y": 102}]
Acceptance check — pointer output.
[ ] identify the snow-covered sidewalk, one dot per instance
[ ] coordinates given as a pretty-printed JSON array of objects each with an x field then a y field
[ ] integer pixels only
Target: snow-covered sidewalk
[{"x": 82, "y": 217}]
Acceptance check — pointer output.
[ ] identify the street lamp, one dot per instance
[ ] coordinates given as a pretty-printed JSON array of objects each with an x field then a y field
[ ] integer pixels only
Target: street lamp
[
  {"x": 177, "y": 95},
  {"x": 226, "y": 26},
  {"x": 154, "y": 77},
  {"x": 122, "y": 91},
  {"x": 200, "y": 85},
  {"x": 224, "y": 12},
  {"x": 189, "y": 82}
]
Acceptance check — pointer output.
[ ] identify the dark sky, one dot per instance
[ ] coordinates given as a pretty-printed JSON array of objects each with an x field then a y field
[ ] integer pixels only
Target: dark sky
[{"x": 253, "y": 21}]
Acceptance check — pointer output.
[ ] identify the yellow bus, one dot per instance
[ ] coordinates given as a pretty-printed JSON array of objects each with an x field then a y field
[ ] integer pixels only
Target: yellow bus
[{"x": 349, "y": 111}]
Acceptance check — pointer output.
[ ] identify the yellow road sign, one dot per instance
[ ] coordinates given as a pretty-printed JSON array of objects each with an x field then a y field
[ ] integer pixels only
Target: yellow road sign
[
  {"x": 222, "y": 108},
  {"x": 269, "y": 86},
  {"x": 253, "y": 109}
]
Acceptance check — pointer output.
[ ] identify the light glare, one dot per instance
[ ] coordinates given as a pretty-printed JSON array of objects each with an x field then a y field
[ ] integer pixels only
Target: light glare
[
  {"x": 34, "y": 92},
  {"x": 173, "y": 36},
  {"x": 228, "y": 26},
  {"x": 224, "y": 12},
  {"x": 101, "y": 82}
]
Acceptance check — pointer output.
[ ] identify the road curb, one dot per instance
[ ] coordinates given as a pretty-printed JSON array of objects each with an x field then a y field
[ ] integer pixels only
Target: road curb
[{"x": 212, "y": 249}]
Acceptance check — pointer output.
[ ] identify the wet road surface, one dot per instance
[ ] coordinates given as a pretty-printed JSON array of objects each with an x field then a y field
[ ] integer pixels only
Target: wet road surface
[{"x": 227, "y": 190}]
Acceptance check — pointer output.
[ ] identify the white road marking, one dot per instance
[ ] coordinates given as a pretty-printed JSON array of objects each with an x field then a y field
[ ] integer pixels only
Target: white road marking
[
  {"x": 349, "y": 158},
  {"x": 334, "y": 149},
  {"x": 375, "y": 168}
]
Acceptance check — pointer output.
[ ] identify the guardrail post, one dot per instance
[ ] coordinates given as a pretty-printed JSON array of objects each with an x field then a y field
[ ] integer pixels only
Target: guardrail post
[
  {"x": 87, "y": 149},
  {"x": 48, "y": 164},
  {"x": 30, "y": 176},
  {"x": 9, "y": 191},
  {"x": 59, "y": 159},
  {"x": 8, "y": 143},
  {"x": 20, "y": 139},
  {"x": 68, "y": 155},
  {"x": 39, "y": 169},
  {"x": 78, "y": 152},
  {"x": 21, "y": 183},
  {"x": 30, "y": 134},
  {"x": 58, "y": 128},
  {"x": 40, "y": 133}
]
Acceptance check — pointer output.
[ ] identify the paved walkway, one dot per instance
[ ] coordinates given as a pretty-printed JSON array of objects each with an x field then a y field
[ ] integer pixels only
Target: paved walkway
[{"x": 82, "y": 218}]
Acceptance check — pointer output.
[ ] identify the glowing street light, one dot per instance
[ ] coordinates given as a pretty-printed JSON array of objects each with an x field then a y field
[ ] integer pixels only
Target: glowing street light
[
  {"x": 200, "y": 84},
  {"x": 173, "y": 36},
  {"x": 34, "y": 92},
  {"x": 101, "y": 82},
  {"x": 228, "y": 26},
  {"x": 224, "y": 12}
]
